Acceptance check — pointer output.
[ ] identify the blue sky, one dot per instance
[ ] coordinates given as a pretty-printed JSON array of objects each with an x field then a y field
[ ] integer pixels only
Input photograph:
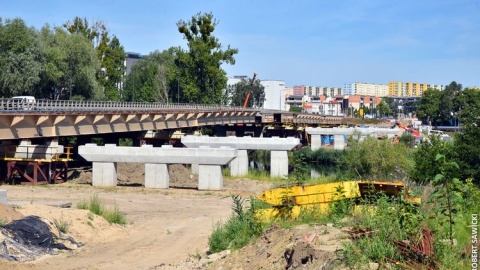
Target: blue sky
[{"x": 311, "y": 42}]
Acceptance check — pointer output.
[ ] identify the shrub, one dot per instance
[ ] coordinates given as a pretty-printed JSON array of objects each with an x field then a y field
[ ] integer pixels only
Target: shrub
[
  {"x": 95, "y": 206},
  {"x": 377, "y": 159},
  {"x": 239, "y": 230},
  {"x": 62, "y": 225}
]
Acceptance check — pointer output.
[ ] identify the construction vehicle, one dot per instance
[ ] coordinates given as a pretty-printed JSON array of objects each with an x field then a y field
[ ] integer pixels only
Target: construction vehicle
[
  {"x": 413, "y": 132},
  {"x": 250, "y": 91}
]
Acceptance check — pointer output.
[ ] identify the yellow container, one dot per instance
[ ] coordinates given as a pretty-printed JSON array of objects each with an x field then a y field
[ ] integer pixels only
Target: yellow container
[{"x": 302, "y": 195}]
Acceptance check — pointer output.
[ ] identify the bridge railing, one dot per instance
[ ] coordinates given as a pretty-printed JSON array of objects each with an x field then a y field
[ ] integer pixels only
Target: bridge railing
[{"x": 7, "y": 105}]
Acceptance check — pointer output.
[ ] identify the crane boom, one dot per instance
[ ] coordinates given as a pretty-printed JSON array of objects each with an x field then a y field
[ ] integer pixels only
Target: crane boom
[{"x": 248, "y": 94}]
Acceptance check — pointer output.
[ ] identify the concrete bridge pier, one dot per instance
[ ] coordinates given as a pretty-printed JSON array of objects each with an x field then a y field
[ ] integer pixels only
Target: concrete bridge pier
[
  {"x": 210, "y": 177},
  {"x": 156, "y": 175},
  {"x": 278, "y": 163},
  {"x": 338, "y": 142},
  {"x": 316, "y": 142},
  {"x": 156, "y": 161},
  {"x": 194, "y": 168},
  {"x": 239, "y": 165},
  {"x": 340, "y": 133},
  {"x": 104, "y": 174}
]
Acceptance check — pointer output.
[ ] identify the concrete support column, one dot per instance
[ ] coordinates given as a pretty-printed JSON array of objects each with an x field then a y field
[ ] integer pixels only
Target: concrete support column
[
  {"x": 194, "y": 169},
  {"x": 104, "y": 174},
  {"x": 210, "y": 177},
  {"x": 278, "y": 164},
  {"x": 338, "y": 142},
  {"x": 239, "y": 165},
  {"x": 316, "y": 142},
  {"x": 156, "y": 176}
]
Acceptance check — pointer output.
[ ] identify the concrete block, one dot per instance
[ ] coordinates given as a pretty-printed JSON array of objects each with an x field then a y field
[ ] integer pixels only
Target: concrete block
[
  {"x": 278, "y": 164},
  {"x": 239, "y": 165},
  {"x": 210, "y": 177},
  {"x": 156, "y": 176},
  {"x": 338, "y": 142},
  {"x": 3, "y": 196},
  {"x": 104, "y": 174},
  {"x": 316, "y": 141},
  {"x": 194, "y": 168}
]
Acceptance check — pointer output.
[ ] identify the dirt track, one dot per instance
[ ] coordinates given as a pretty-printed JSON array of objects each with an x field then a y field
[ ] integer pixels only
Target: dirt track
[{"x": 166, "y": 226}]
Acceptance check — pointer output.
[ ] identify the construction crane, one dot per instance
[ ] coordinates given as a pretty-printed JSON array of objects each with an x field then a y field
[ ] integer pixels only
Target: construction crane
[{"x": 249, "y": 92}]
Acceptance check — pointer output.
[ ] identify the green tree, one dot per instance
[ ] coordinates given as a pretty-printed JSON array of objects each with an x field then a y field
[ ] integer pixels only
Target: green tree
[
  {"x": 235, "y": 95},
  {"x": 467, "y": 142},
  {"x": 426, "y": 165},
  {"x": 295, "y": 109},
  {"x": 110, "y": 54},
  {"x": 447, "y": 192},
  {"x": 200, "y": 66},
  {"x": 383, "y": 109},
  {"x": 153, "y": 78},
  {"x": 372, "y": 159},
  {"x": 21, "y": 58},
  {"x": 71, "y": 66},
  {"x": 447, "y": 107},
  {"x": 113, "y": 64},
  {"x": 429, "y": 108}
]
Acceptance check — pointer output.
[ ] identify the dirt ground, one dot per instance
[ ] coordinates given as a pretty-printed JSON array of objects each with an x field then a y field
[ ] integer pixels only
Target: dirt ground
[{"x": 167, "y": 229}]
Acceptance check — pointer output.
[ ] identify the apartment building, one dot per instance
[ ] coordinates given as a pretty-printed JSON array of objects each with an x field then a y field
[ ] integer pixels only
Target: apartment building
[
  {"x": 317, "y": 91},
  {"x": 410, "y": 89},
  {"x": 299, "y": 90},
  {"x": 365, "y": 89}
]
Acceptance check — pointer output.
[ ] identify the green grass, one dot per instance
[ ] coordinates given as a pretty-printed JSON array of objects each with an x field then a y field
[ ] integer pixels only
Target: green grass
[
  {"x": 62, "y": 225},
  {"x": 254, "y": 174},
  {"x": 239, "y": 230},
  {"x": 96, "y": 206}
]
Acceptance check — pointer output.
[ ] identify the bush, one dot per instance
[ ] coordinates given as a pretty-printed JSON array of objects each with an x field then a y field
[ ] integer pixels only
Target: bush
[
  {"x": 238, "y": 231},
  {"x": 95, "y": 205},
  {"x": 378, "y": 159},
  {"x": 62, "y": 225}
]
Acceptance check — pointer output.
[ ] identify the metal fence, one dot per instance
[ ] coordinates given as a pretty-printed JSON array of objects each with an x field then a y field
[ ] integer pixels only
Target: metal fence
[{"x": 45, "y": 105}]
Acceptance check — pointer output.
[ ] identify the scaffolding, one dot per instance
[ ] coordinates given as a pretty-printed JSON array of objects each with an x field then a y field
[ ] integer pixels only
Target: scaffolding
[{"x": 34, "y": 164}]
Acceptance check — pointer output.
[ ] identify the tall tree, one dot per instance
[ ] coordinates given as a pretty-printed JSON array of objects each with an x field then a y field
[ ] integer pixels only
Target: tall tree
[
  {"x": 384, "y": 109},
  {"x": 114, "y": 67},
  {"x": 71, "y": 66},
  {"x": 448, "y": 95},
  {"x": 110, "y": 54},
  {"x": 429, "y": 108},
  {"x": 200, "y": 66},
  {"x": 153, "y": 78},
  {"x": 21, "y": 58},
  {"x": 467, "y": 142},
  {"x": 237, "y": 94}
]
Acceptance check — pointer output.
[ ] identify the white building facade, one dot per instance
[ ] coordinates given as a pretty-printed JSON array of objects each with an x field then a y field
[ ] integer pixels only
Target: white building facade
[{"x": 274, "y": 92}]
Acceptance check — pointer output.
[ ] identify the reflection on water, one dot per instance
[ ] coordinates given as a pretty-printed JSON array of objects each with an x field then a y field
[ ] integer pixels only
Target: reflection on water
[{"x": 318, "y": 170}]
